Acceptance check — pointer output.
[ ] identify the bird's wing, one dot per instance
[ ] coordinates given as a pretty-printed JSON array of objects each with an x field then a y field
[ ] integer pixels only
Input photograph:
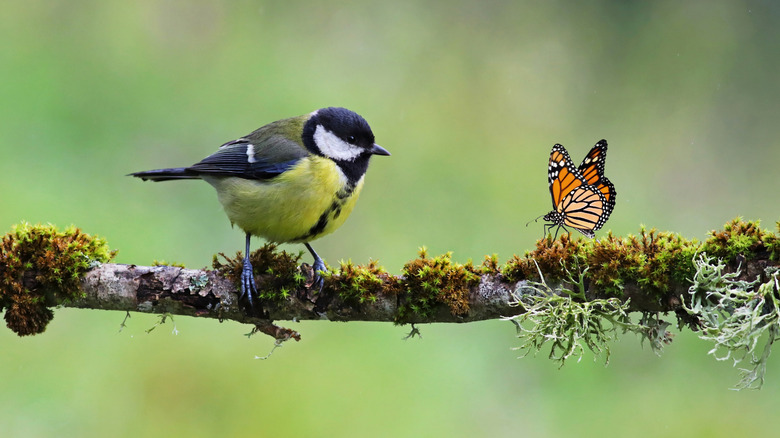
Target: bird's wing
[{"x": 251, "y": 158}]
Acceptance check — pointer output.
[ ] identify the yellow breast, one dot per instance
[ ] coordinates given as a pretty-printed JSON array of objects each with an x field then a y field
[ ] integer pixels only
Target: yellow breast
[{"x": 306, "y": 202}]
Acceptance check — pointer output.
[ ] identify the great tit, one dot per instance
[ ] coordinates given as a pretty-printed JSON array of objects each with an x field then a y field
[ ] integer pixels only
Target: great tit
[{"x": 291, "y": 181}]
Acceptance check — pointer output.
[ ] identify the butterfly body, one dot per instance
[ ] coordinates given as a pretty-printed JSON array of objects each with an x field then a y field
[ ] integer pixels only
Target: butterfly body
[{"x": 583, "y": 198}]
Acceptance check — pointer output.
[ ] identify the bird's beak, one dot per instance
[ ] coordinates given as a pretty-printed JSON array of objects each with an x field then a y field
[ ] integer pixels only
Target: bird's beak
[{"x": 378, "y": 150}]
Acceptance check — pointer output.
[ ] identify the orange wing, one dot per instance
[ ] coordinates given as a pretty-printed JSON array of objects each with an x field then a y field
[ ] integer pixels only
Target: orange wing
[
  {"x": 592, "y": 169},
  {"x": 562, "y": 176}
]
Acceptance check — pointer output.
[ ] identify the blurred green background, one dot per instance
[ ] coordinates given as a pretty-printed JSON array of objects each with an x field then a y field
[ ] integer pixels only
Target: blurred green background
[{"x": 469, "y": 97}]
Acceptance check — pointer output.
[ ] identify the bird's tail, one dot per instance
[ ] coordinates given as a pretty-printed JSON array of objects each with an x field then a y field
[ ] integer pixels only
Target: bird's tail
[{"x": 166, "y": 174}]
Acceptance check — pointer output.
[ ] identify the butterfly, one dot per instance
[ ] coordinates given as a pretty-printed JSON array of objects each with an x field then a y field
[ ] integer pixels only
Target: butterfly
[{"x": 582, "y": 197}]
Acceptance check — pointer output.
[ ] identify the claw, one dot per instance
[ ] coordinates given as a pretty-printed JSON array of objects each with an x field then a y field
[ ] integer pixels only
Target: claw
[
  {"x": 319, "y": 266},
  {"x": 319, "y": 282},
  {"x": 248, "y": 286}
]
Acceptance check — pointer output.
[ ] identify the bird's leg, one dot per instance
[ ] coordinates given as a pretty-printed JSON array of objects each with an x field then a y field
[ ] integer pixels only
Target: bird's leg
[
  {"x": 318, "y": 266},
  {"x": 248, "y": 287}
]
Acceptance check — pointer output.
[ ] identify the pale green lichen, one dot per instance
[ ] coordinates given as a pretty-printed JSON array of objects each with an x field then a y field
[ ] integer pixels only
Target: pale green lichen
[
  {"x": 198, "y": 283},
  {"x": 736, "y": 315},
  {"x": 566, "y": 322},
  {"x": 567, "y": 325},
  {"x": 652, "y": 328},
  {"x": 570, "y": 323}
]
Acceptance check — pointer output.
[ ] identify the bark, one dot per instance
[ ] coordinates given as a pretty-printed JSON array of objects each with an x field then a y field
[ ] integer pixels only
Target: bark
[{"x": 206, "y": 294}]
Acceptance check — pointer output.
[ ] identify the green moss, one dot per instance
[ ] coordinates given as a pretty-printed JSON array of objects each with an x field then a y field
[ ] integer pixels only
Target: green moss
[
  {"x": 613, "y": 261},
  {"x": 518, "y": 268},
  {"x": 677, "y": 256},
  {"x": 738, "y": 238},
  {"x": 41, "y": 267},
  {"x": 772, "y": 242},
  {"x": 277, "y": 271},
  {"x": 164, "y": 263},
  {"x": 490, "y": 265},
  {"x": 431, "y": 282},
  {"x": 652, "y": 259},
  {"x": 552, "y": 257},
  {"x": 357, "y": 284}
]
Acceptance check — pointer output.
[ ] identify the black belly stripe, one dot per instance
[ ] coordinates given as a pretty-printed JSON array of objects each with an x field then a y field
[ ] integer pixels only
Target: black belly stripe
[
  {"x": 318, "y": 227},
  {"x": 335, "y": 208}
]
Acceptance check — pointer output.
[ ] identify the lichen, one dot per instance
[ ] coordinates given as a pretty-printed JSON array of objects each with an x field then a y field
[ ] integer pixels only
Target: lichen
[
  {"x": 566, "y": 323},
  {"x": 731, "y": 312},
  {"x": 735, "y": 315},
  {"x": 41, "y": 267},
  {"x": 570, "y": 323}
]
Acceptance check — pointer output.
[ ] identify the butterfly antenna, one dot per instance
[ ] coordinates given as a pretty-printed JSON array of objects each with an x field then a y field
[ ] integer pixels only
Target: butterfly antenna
[{"x": 526, "y": 224}]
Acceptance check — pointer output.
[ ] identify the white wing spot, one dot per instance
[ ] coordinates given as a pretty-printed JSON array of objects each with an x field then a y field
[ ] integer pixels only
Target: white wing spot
[{"x": 250, "y": 153}]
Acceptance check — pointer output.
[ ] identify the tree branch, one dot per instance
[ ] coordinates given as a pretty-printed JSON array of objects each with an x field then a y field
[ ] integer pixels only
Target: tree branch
[
  {"x": 568, "y": 293},
  {"x": 209, "y": 294},
  {"x": 651, "y": 272}
]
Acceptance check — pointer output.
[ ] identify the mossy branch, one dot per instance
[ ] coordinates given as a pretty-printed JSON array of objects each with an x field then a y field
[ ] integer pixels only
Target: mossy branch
[
  {"x": 652, "y": 272},
  {"x": 209, "y": 294},
  {"x": 567, "y": 293}
]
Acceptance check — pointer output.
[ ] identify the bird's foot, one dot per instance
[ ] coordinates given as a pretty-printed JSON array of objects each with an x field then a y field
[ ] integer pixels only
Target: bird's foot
[
  {"x": 248, "y": 286},
  {"x": 318, "y": 281}
]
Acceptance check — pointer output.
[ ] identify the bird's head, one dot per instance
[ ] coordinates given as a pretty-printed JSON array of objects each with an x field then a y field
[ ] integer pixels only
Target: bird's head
[{"x": 341, "y": 135}]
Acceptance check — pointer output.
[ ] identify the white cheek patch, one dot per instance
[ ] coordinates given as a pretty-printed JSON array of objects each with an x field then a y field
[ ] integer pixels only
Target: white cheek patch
[{"x": 333, "y": 147}]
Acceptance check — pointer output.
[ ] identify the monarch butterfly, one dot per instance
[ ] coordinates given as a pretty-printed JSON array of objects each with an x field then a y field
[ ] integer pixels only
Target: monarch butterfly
[{"x": 582, "y": 197}]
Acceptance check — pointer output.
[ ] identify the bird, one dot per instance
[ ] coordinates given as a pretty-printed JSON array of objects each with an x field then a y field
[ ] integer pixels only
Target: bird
[
  {"x": 583, "y": 198},
  {"x": 290, "y": 181}
]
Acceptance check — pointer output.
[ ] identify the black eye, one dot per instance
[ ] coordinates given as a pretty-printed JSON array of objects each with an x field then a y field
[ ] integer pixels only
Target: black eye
[{"x": 351, "y": 139}]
